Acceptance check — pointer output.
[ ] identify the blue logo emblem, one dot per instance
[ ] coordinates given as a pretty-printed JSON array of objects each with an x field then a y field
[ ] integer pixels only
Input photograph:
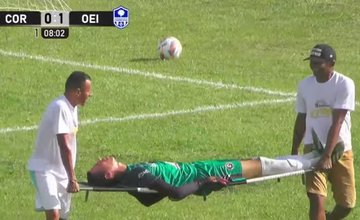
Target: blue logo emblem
[{"x": 121, "y": 17}]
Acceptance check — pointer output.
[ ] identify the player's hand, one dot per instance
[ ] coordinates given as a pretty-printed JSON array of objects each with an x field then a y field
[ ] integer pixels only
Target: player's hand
[
  {"x": 73, "y": 186},
  {"x": 217, "y": 183},
  {"x": 324, "y": 163},
  {"x": 220, "y": 180},
  {"x": 294, "y": 152}
]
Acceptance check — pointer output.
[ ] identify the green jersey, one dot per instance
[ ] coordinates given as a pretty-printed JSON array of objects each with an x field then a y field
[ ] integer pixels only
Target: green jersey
[{"x": 178, "y": 174}]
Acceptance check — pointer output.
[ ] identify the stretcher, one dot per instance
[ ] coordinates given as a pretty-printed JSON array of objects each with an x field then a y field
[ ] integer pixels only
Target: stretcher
[
  {"x": 337, "y": 153},
  {"x": 88, "y": 188}
]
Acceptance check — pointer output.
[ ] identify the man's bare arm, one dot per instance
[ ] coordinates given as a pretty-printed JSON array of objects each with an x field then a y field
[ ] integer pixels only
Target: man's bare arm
[
  {"x": 299, "y": 131},
  {"x": 66, "y": 156}
]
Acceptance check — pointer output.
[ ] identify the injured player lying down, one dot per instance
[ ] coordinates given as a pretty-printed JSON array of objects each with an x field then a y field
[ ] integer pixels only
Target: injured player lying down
[{"x": 178, "y": 180}]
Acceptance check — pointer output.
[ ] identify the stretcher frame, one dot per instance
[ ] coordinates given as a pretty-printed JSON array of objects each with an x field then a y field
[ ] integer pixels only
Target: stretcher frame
[{"x": 88, "y": 188}]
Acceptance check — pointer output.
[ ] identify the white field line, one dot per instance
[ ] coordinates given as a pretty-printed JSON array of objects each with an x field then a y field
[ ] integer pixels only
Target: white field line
[
  {"x": 209, "y": 108},
  {"x": 144, "y": 73}
]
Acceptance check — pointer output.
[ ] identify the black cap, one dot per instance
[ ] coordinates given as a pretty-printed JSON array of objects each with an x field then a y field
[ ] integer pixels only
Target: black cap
[{"x": 323, "y": 51}]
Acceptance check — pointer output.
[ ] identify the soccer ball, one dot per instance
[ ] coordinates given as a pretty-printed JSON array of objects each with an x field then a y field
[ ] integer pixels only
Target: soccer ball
[{"x": 169, "y": 48}]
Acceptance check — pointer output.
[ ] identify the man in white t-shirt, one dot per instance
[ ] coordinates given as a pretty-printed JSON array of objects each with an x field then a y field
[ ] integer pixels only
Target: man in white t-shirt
[
  {"x": 324, "y": 102},
  {"x": 53, "y": 161}
]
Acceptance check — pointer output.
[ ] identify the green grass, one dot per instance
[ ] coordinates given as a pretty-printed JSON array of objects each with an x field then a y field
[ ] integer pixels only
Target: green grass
[{"x": 246, "y": 43}]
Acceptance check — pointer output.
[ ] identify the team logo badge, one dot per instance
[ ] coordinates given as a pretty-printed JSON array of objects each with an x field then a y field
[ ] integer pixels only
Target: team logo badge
[
  {"x": 229, "y": 166},
  {"x": 141, "y": 175},
  {"x": 121, "y": 17}
]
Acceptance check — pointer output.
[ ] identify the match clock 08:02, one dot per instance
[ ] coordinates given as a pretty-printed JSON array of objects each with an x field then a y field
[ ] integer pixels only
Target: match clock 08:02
[{"x": 55, "y": 33}]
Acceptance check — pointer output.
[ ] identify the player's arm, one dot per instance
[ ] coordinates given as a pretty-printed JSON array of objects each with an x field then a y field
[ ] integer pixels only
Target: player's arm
[
  {"x": 142, "y": 178},
  {"x": 146, "y": 179},
  {"x": 147, "y": 199},
  {"x": 299, "y": 131},
  {"x": 66, "y": 157},
  {"x": 176, "y": 193},
  {"x": 136, "y": 178}
]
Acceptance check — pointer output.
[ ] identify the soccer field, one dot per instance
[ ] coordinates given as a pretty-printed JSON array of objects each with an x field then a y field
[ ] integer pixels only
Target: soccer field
[{"x": 230, "y": 95}]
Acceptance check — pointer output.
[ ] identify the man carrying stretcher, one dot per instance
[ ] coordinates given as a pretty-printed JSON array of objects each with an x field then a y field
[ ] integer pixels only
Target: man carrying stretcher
[{"x": 178, "y": 180}]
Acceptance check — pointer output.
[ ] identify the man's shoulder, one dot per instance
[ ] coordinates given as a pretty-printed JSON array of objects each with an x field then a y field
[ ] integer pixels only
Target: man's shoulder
[
  {"x": 308, "y": 78},
  {"x": 137, "y": 171},
  {"x": 59, "y": 103},
  {"x": 307, "y": 81},
  {"x": 341, "y": 78},
  {"x": 135, "y": 177}
]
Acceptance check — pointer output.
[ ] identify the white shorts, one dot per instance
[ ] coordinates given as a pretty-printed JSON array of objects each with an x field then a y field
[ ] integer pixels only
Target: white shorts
[{"x": 50, "y": 194}]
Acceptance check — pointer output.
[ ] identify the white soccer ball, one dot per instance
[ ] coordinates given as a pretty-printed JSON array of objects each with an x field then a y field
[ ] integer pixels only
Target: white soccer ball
[{"x": 169, "y": 48}]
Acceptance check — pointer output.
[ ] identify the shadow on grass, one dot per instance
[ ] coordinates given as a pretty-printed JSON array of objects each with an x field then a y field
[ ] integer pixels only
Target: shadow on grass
[{"x": 144, "y": 59}]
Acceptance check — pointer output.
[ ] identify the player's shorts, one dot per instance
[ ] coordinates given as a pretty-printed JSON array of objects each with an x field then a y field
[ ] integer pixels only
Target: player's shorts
[
  {"x": 220, "y": 168},
  {"x": 50, "y": 194},
  {"x": 341, "y": 176}
]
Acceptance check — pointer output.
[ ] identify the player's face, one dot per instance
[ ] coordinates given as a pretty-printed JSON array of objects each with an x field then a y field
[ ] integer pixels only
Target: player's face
[
  {"x": 105, "y": 165},
  {"x": 85, "y": 93}
]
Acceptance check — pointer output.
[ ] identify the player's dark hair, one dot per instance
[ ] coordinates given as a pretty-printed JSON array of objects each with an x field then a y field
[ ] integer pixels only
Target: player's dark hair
[
  {"x": 76, "y": 80},
  {"x": 98, "y": 179}
]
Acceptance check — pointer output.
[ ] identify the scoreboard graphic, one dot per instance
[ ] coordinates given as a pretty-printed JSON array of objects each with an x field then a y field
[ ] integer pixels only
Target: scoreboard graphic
[{"x": 55, "y": 24}]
